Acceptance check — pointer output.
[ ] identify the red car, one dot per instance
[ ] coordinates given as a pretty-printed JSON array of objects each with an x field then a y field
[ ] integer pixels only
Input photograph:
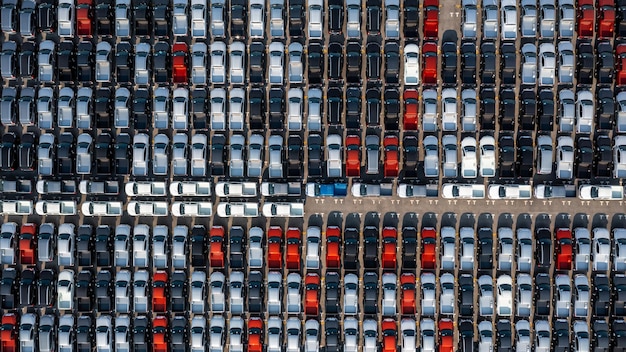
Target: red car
[
  {"x": 407, "y": 283},
  {"x": 563, "y": 249},
  {"x": 8, "y": 334},
  {"x": 255, "y": 335},
  {"x": 390, "y": 247},
  {"x": 159, "y": 334},
  {"x": 179, "y": 62},
  {"x": 429, "y": 56},
  {"x": 446, "y": 335},
  {"x": 586, "y": 15},
  {"x": 333, "y": 247},
  {"x": 390, "y": 335},
  {"x": 84, "y": 18},
  {"x": 431, "y": 19},
  {"x": 28, "y": 244},
  {"x": 392, "y": 156},
  {"x": 293, "y": 248},
  {"x": 428, "y": 248},
  {"x": 159, "y": 291},
  {"x": 606, "y": 19},
  {"x": 274, "y": 242},
  {"x": 216, "y": 248},
  {"x": 353, "y": 156},
  {"x": 620, "y": 64},
  {"x": 410, "y": 109},
  {"x": 312, "y": 295}
]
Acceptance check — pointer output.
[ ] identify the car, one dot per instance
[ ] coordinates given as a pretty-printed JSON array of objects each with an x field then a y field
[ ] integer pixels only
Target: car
[
  {"x": 370, "y": 288},
  {"x": 619, "y": 159},
  {"x": 490, "y": 19},
  {"x": 566, "y": 62},
  {"x": 276, "y": 53},
  {"x": 606, "y": 19},
  {"x": 411, "y": 65},
  {"x": 584, "y": 111},
  {"x": 470, "y": 19},
  {"x": 179, "y": 154},
  {"x": 46, "y": 60},
  {"x": 468, "y": 158},
  {"x": 508, "y": 21},
  {"x": 199, "y": 58},
  {"x": 601, "y": 249},
  {"x": 145, "y": 189},
  {"x": 565, "y": 158},
  {"x": 528, "y": 19},
  {"x": 563, "y": 249},
  {"x": 485, "y": 298},
  {"x": 180, "y": 52},
  {"x": 524, "y": 298},
  {"x": 65, "y": 290},
  {"x": 218, "y": 62},
  {"x": 504, "y": 301},
  {"x": 585, "y": 19},
  {"x": 427, "y": 333},
  {"x": 563, "y": 296}
]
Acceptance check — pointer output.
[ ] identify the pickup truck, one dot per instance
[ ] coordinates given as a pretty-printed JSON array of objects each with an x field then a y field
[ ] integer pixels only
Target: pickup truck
[
  {"x": 19, "y": 186},
  {"x": 9, "y": 338},
  {"x": 275, "y": 189},
  {"x": 56, "y": 187},
  {"x": 16, "y": 207},
  {"x": 235, "y": 189},
  {"x": 191, "y": 189},
  {"x": 51, "y": 207},
  {"x": 99, "y": 187},
  {"x": 326, "y": 189},
  {"x": 145, "y": 189}
]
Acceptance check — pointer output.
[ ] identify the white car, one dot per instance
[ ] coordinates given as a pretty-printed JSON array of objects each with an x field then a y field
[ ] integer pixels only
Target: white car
[
  {"x": 161, "y": 110},
  {"x": 257, "y": 18},
  {"x": 141, "y": 144},
  {"x": 582, "y": 297},
  {"x": 411, "y": 65},
  {"x": 255, "y": 248},
  {"x": 180, "y": 108},
  {"x": 427, "y": 333},
  {"x": 16, "y": 207},
  {"x": 28, "y": 332},
  {"x": 585, "y": 111},
  {"x": 547, "y": 64},
  {"x": 601, "y": 249},
  {"x": 563, "y": 296},
  {"x": 160, "y": 154},
  {"x": 566, "y": 110},
  {"x": 566, "y": 62},
  {"x": 353, "y": 19},
  {"x": 508, "y": 24},
  {"x": 255, "y": 155},
  {"x": 8, "y": 240},
  {"x": 236, "y": 189},
  {"x": 544, "y": 155},
  {"x": 218, "y": 62},
  {"x": 294, "y": 299},
  {"x": 84, "y": 150},
  {"x": 351, "y": 335},
  {"x": 524, "y": 300},
  {"x": 122, "y": 18},
  {"x": 198, "y": 155},
  {"x": 449, "y": 113},
  {"x": 122, "y": 108},
  {"x": 179, "y": 17},
  {"x": 236, "y": 110},
  {"x": 529, "y": 64},
  {"x": 448, "y": 248},
  {"x": 389, "y": 294},
  {"x": 103, "y": 62},
  {"x": 275, "y": 167},
  {"x": 198, "y": 292},
  {"x": 147, "y": 208},
  {"x": 121, "y": 246},
  {"x": 447, "y": 300},
  {"x": 529, "y": 18},
  {"x": 55, "y": 207},
  {"x": 179, "y": 154},
  {"x": 429, "y": 301},
  {"x": 468, "y": 158},
  {"x": 462, "y": 191},
  {"x": 199, "y": 61},
  {"x": 274, "y": 293},
  {"x": 431, "y": 156},
  {"x": 565, "y": 158},
  {"x": 619, "y": 156},
  {"x": 351, "y": 294},
  {"x": 65, "y": 245},
  {"x": 277, "y": 22},
  {"x": 141, "y": 248},
  {"x": 505, "y": 295},
  {"x": 522, "y": 339},
  {"x": 65, "y": 333},
  {"x": 370, "y": 335},
  {"x": 189, "y": 188},
  {"x": 619, "y": 249},
  {"x": 315, "y": 26},
  {"x": 141, "y": 288},
  {"x": 283, "y": 210},
  {"x": 487, "y": 156},
  {"x": 83, "y": 108},
  {"x": 101, "y": 208},
  {"x": 236, "y": 335},
  {"x": 44, "y": 107},
  {"x": 237, "y": 210},
  {"x": 179, "y": 247},
  {"x": 313, "y": 237},
  {"x": 543, "y": 336},
  {"x": 276, "y": 58},
  {"x": 122, "y": 291},
  {"x": 293, "y": 326},
  {"x": 312, "y": 336},
  {"x": 45, "y": 60},
  {"x": 235, "y": 292},
  {"x": 469, "y": 110},
  {"x": 160, "y": 246},
  {"x": 525, "y": 251},
  {"x": 485, "y": 298},
  {"x": 217, "y": 292},
  {"x": 470, "y": 19},
  {"x": 142, "y": 69},
  {"x": 567, "y": 17},
  {"x": 192, "y": 209},
  {"x": 217, "y": 113},
  {"x": 237, "y": 64},
  {"x": 65, "y": 108},
  {"x": 581, "y": 341},
  {"x": 467, "y": 243},
  {"x": 621, "y": 112},
  {"x": 334, "y": 159},
  {"x": 430, "y": 116},
  {"x": 274, "y": 334},
  {"x": 509, "y": 191},
  {"x": 65, "y": 290},
  {"x": 65, "y": 18},
  {"x": 408, "y": 340},
  {"x": 583, "y": 249},
  {"x": 505, "y": 248},
  {"x": 295, "y": 107},
  {"x": 145, "y": 189},
  {"x": 217, "y": 18},
  {"x": 198, "y": 332},
  {"x": 548, "y": 19},
  {"x": 198, "y": 20}
]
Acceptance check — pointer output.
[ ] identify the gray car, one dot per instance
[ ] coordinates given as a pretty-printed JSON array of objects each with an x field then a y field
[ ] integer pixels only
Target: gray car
[
  {"x": 7, "y": 59},
  {"x": 7, "y": 106},
  {"x": 255, "y": 155},
  {"x": 431, "y": 157},
  {"x": 275, "y": 167},
  {"x": 46, "y": 242},
  {"x": 236, "y": 164},
  {"x": 26, "y": 106},
  {"x": 372, "y": 145},
  {"x": 45, "y": 60},
  {"x": 450, "y": 161}
]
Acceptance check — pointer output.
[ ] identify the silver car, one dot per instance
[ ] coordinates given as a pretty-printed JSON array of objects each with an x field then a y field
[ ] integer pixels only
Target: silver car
[
  {"x": 255, "y": 248},
  {"x": 237, "y": 63},
  {"x": 294, "y": 299},
  {"x": 198, "y": 292},
  {"x": 199, "y": 61},
  {"x": 160, "y": 109},
  {"x": 529, "y": 63},
  {"x": 529, "y": 18},
  {"x": 217, "y": 287},
  {"x": 275, "y": 167},
  {"x": 122, "y": 18},
  {"x": 490, "y": 19},
  {"x": 450, "y": 161},
  {"x": 255, "y": 155},
  {"x": 524, "y": 300},
  {"x": 180, "y": 109},
  {"x": 431, "y": 157},
  {"x": 179, "y": 154},
  {"x": 46, "y": 62},
  {"x": 351, "y": 295},
  {"x": 45, "y": 101},
  {"x": 274, "y": 292},
  {"x": 160, "y": 158},
  {"x": 236, "y": 109},
  {"x": 235, "y": 292},
  {"x": 198, "y": 19},
  {"x": 470, "y": 17},
  {"x": 548, "y": 19},
  {"x": 217, "y": 18},
  {"x": 142, "y": 67},
  {"x": 276, "y": 58},
  {"x": 179, "y": 17},
  {"x": 103, "y": 62}
]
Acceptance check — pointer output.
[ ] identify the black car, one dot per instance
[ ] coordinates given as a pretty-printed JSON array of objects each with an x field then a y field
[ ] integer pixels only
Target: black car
[
  {"x": 296, "y": 18},
  {"x": 334, "y": 96},
  {"x": 392, "y": 61},
  {"x": 142, "y": 109},
  {"x": 178, "y": 291},
  {"x": 161, "y": 62},
  {"x": 601, "y": 296},
  {"x": 46, "y": 288},
  {"x": 333, "y": 336},
  {"x": 122, "y": 154},
  {"x": 160, "y": 18},
  {"x": 333, "y": 293},
  {"x": 141, "y": 18},
  {"x": 560, "y": 336},
  {"x": 315, "y": 63},
  {"x": 66, "y": 62},
  {"x": 505, "y": 336},
  {"x": 141, "y": 333},
  {"x": 198, "y": 109},
  {"x": 411, "y": 18},
  {"x": 237, "y": 255},
  {"x": 373, "y": 17},
  {"x": 315, "y": 154},
  {"x": 102, "y": 107},
  {"x": 46, "y": 16},
  {"x": 104, "y": 18},
  {"x": 179, "y": 329},
  {"x": 488, "y": 62},
  {"x": 84, "y": 333},
  {"x": 488, "y": 108},
  {"x": 543, "y": 248},
  {"x": 353, "y": 108},
  {"x": 370, "y": 248},
  {"x": 218, "y": 154},
  {"x": 468, "y": 63},
  {"x": 28, "y": 279},
  {"x": 335, "y": 15},
  {"x": 466, "y": 295},
  {"x": 373, "y": 106},
  {"x": 605, "y": 108},
  {"x": 124, "y": 63},
  {"x": 528, "y": 109},
  {"x": 26, "y": 60},
  {"x": 295, "y": 154},
  {"x": 546, "y": 110},
  {"x": 8, "y": 288},
  {"x": 104, "y": 291},
  {"x": 103, "y": 245},
  {"x": 584, "y": 157},
  {"x": 335, "y": 58},
  {"x": 351, "y": 245},
  {"x": 619, "y": 335},
  {"x": 449, "y": 62},
  {"x": 84, "y": 245},
  {"x": 372, "y": 51},
  {"x": 506, "y": 157},
  {"x": 410, "y": 153},
  {"x": 543, "y": 294},
  {"x": 392, "y": 108},
  {"x": 104, "y": 154},
  {"x": 603, "y": 155},
  {"x": 409, "y": 247},
  {"x": 525, "y": 155},
  {"x": 370, "y": 286},
  {"x": 257, "y": 62},
  {"x": 619, "y": 295},
  {"x": 255, "y": 292},
  {"x": 507, "y": 109},
  {"x": 600, "y": 339},
  {"x": 508, "y": 63},
  {"x": 238, "y": 18},
  {"x": 485, "y": 248},
  {"x": 257, "y": 117},
  {"x": 8, "y": 152},
  {"x": 65, "y": 154},
  {"x": 84, "y": 62},
  {"x": 466, "y": 336},
  {"x": 276, "y": 106},
  {"x": 353, "y": 61},
  {"x": 198, "y": 246},
  {"x": 606, "y": 64},
  {"x": 584, "y": 62},
  {"x": 84, "y": 291}
]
